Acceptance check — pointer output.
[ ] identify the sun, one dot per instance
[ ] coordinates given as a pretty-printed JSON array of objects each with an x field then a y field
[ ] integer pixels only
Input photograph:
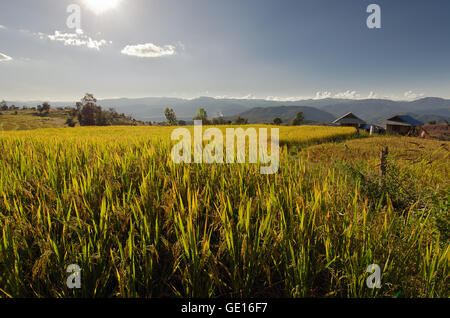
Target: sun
[{"x": 101, "y": 6}]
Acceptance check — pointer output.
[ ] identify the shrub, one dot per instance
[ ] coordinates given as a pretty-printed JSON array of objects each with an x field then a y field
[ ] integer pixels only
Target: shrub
[
  {"x": 277, "y": 121},
  {"x": 298, "y": 120}
]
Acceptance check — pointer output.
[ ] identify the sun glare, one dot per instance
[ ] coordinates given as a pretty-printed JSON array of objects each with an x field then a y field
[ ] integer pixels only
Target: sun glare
[{"x": 101, "y": 6}]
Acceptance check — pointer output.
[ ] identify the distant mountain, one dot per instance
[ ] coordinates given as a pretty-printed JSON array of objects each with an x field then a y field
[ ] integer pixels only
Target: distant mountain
[
  {"x": 371, "y": 110},
  {"x": 286, "y": 113},
  {"x": 430, "y": 118},
  {"x": 153, "y": 108},
  {"x": 445, "y": 112}
]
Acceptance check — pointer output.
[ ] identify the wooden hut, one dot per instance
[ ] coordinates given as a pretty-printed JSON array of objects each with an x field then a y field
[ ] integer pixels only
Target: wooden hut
[
  {"x": 402, "y": 125},
  {"x": 350, "y": 120}
]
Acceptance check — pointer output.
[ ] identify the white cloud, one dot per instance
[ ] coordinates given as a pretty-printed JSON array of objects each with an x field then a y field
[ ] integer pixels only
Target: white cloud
[
  {"x": 372, "y": 95},
  {"x": 343, "y": 95},
  {"x": 71, "y": 39},
  {"x": 322, "y": 95},
  {"x": 411, "y": 95},
  {"x": 76, "y": 39},
  {"x": 248, "y": 96},
  {"x": 348, "y": 95},
  {"x": 149, "y": 50},
  {"x": 2, "y": 27},
  {"x": 5, "y": 58},
  {"x": 285, "y": 99},
  {"x": 267, "y": 98}
]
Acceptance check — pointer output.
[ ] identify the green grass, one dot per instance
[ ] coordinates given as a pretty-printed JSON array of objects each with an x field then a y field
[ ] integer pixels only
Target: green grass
[
  {"x": 111, "y": 200},
  {"x": 28, "y": 120},
  {"x": 31, "y": 120}
]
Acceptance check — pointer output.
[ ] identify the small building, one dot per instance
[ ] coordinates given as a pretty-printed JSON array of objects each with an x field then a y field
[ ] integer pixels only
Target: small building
[
  {"x": 350, "y": 120},
  {"x": 402, "y": 125}
]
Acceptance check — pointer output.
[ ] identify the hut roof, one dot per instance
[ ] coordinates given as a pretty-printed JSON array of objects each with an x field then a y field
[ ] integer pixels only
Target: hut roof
[
  {"x": 403, "y": 120},
  {"x": 349, "y": 118}
]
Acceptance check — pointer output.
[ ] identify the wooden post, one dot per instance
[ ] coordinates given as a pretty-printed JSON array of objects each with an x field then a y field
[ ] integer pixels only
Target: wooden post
[{"x": 384, "y": 153}]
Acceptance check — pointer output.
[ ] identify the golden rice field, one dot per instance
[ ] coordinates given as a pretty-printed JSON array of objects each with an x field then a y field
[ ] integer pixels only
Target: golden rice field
[
  {"x": 288, "y": 134},
  {"x": 112, "y": 201}
]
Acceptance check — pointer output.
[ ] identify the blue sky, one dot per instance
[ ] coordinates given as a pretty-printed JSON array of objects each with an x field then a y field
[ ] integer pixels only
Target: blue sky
[{"x": 274, "y": 49}]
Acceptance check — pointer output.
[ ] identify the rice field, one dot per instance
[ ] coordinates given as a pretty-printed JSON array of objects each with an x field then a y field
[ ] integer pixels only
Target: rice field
[{"x": 112, "y": 201}]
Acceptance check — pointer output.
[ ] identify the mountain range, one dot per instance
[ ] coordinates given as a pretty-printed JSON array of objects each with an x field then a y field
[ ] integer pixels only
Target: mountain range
[
  {"x": 373, "y": 111},
  {"x": 286, "y": 114}
]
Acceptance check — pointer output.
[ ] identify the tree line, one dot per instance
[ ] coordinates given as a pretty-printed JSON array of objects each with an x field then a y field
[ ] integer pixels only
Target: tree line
[
  {"x": 203, "y": 116},
  {"x": 86, "y": 113},
  {"x": 44, "y": 108}
]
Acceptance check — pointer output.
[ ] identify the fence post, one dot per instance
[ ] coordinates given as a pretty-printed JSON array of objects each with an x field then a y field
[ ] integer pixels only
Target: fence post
[{"x": 383, "y": 155}]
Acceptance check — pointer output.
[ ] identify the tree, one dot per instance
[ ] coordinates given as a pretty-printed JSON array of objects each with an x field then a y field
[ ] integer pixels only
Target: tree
[
  {"x": 113, "y": 112},
  {"x": 241, "y": 121},
  {"x": 201, "y": 115},
  {"x": 72, "y": 111},
  {"x": 298, "y": 120},
  {"x": 170, "y": 116},
  {"x": 3, "y": 105},
  {"x": 277, "y": 121},
  {"x": 89, "y": 114},
  {"x": 70, "y": 122},
  {"x": 45, "y": 108},
  {"x": 104, "y": 118}
]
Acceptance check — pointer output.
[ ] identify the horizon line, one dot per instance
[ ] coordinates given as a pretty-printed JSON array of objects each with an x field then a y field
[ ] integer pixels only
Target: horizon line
[{"x": 228, "y": 98}]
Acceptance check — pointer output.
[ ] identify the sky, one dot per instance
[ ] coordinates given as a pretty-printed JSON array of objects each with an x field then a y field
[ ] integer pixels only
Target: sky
[{"x": 271, "y": 49}]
